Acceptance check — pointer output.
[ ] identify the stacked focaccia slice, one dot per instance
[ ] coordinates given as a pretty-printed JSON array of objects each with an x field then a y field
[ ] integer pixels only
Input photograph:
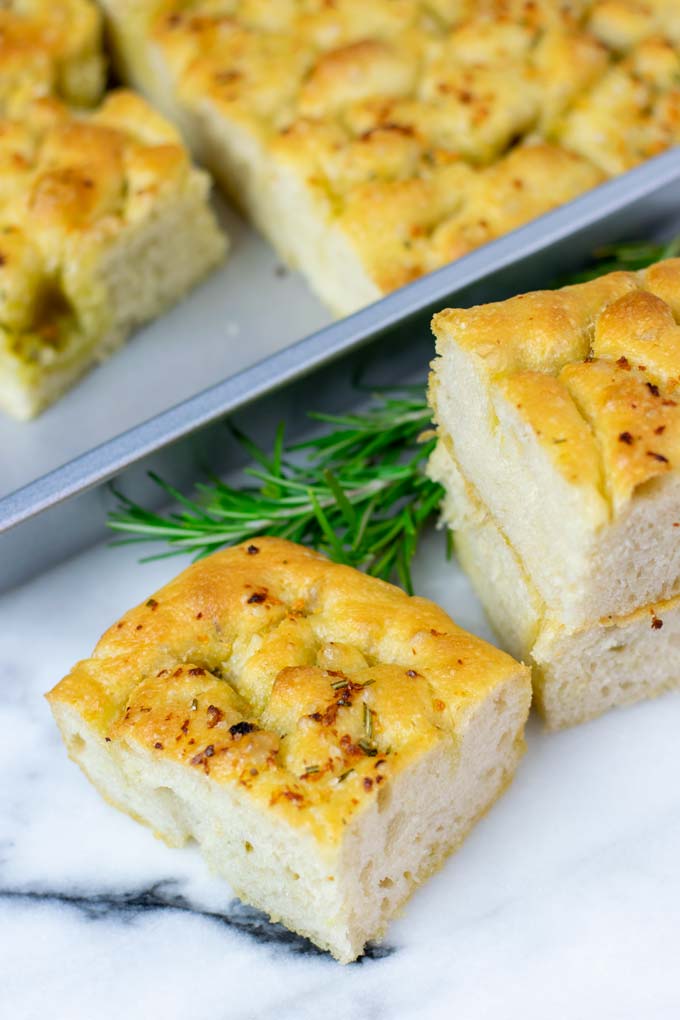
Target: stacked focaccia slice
[{"x": 558, "y": 415}]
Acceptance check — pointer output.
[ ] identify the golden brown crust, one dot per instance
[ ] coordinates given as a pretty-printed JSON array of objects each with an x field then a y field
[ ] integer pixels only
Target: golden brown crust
[
  {"x": 305, "y": 683},
  {"x": 49, "y": 47},
  {"x": 81, "y": 172},
  {"x": 593, "y": 368},
  {"x": 423, "y": 128},
  {"x": 548, "y": 408},
  {"x": 71, "y": 184},
  {"x": 632, "y": 112}
]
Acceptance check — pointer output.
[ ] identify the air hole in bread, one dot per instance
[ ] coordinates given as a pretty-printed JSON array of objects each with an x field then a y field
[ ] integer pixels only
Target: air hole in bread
[
  {"x": 394, "y": 829},
  {"x": 365, "y": 877},
  {"x": 499, "y": 702},
  {"x": 170, "y": 801},
  {"x": 384, "y": 797},
  {"x": 404, "y": 801},
  {"x": 504, "y": 743},
  {"x": 76, "y": 744}
]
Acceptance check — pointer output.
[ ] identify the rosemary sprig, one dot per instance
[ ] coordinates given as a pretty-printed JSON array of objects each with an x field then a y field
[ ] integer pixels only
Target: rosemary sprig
[
  {"x": 357, "y": 491},
  {"x": 628, "y": 255},
  {"x": 368, "y": 722}
]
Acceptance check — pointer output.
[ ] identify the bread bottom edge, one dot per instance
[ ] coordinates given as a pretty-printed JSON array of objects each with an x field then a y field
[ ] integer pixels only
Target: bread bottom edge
[
  {"x": 143, "y": 251},
  {"x": 578, "y": 674},
  {"x": 343, "y": 897}
]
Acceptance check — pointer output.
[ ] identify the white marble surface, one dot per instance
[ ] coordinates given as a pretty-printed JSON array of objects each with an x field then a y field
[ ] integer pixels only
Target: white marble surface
[{"x": 563, "y": 903}]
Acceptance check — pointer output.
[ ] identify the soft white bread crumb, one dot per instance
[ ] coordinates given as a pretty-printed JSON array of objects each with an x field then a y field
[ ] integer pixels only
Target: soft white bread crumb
[
  {"x": 232, "y": 708},
  {"x": 104, "y": 224},
  {"x": 562, "y": 410},
  {"x": 578, "y": 673},
  {"x": 341, "y": 899}
]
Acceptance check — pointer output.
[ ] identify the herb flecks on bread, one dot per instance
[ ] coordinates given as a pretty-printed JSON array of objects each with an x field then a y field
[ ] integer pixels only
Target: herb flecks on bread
[
  {"x": 327, "y": 739},
  {"x": 558, "y": 423},
  {"x": 104, "y": 223},
  {"x": 374, "y": 142}
]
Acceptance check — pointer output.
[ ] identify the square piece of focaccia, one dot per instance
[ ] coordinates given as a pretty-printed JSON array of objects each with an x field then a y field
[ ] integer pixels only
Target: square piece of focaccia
[
  {"x": 562, "y": 410},
  {"x": 373, "y": 142},
  {"x": 104, "y": 223},
  {"x": 326, "y": 739},
  {"x": 50, "y": 48},
  {"x": 578, "y": 672}
]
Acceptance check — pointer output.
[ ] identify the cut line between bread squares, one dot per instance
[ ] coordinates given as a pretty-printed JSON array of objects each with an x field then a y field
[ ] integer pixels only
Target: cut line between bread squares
[
  {"x": 372, "y": 143},
  {"x": 325, "y": 738},
  {"x": 578, "y": 672}
]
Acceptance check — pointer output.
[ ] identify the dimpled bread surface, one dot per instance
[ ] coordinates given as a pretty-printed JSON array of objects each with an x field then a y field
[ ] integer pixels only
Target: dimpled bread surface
[
  {"x": 50, "y": 48},
  {"x": 103, "y": 224},
  {"x": 374, "y": 142},
  {"x": 325, "y": 738},
  {"x": 562, "y": 409}
]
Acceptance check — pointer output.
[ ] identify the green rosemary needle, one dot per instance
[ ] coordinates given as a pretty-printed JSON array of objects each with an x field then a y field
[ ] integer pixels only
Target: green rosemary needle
[
  {"x": 628, "y": 256},
  {"x": 357, "y": 491}
]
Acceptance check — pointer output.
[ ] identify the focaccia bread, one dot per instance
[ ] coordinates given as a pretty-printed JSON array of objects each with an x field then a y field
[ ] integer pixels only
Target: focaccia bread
[
  {"x": 326, "y": 739},
  {"x": 373, "y": 142},
  {"x": 103, "y": 224},
  {"x": 50, "y": 48},
  {"x": 578, "y": 673},
  {"x": 563, "y": 410}
]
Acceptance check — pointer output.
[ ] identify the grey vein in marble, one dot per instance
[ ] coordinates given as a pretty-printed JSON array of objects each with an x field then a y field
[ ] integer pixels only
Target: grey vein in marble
[
  {"x": 563, "y": 903},
  {"x": 163, "y": 895}
]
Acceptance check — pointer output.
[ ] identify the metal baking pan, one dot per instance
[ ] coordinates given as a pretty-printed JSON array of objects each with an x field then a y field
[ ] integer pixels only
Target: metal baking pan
[
  {"x": 241, "y": 327},
  {"x": 222, "y": 327}
]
